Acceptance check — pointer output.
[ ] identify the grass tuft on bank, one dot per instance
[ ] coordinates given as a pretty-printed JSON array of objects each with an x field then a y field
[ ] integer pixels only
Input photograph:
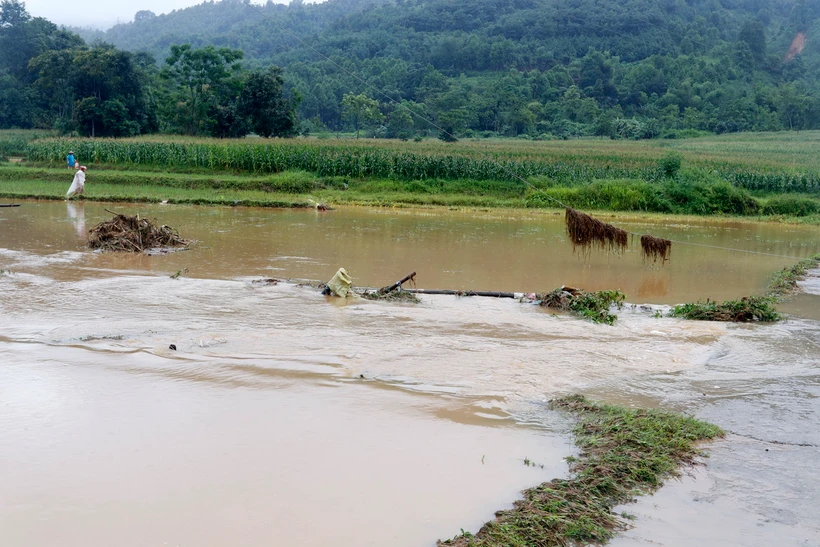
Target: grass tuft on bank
[{"x": 623, "y": 453}]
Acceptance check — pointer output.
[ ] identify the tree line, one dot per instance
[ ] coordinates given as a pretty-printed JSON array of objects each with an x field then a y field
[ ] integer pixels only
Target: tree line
[
  {"x": 403, "y": 68},
  {"x": 51, "y": 79}
]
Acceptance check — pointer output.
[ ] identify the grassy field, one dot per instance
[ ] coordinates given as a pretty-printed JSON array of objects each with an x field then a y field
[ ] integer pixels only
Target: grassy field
[
  {"x": 776, "y": 175},
  {"x": 300, "y": 188}
]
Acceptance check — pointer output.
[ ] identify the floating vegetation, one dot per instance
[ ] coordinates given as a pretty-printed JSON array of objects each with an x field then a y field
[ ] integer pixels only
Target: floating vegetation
[
  {"x": 624, "y": 452},
  {"x": 392, "y": 296},
  {"x": 179, "y": 273},
  {"x": 266, "y": 282},
  {"x": 585, "y": 231},
  {"x": 132, "y": 234},
  {"x": 747, "y": 309},
  {"x": 655, "y": 248},
  {"x": 592, "y": 305}
]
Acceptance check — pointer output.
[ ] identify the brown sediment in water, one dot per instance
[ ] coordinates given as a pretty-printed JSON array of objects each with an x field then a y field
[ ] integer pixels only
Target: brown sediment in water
[
  {"x": 132, "y": 234},
  {"x": 585, "y": 231}
]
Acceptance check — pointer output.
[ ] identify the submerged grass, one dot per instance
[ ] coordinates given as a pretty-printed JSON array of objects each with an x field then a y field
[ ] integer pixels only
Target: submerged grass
[{"x": 624, "y": 453}]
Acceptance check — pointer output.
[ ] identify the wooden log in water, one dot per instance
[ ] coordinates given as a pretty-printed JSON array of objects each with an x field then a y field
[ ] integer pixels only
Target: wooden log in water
[
  {"x": 9, "y": 205},
  {"x": 397, "y": 284}
]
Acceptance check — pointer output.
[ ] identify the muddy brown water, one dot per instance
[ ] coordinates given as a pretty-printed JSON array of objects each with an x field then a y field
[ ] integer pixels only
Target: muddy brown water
[{"x": 288, "y": 418}]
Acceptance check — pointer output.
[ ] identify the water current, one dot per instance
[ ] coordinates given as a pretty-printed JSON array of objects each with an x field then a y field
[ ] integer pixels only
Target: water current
[{"x": 288, "y": 418}]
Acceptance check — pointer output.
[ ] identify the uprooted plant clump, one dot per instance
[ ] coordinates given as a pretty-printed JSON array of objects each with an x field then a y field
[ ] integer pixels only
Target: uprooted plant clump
[
  {"x": 132, "y": 234},
  {"x": 747, "y": 309},
  {"x": 592, "y": 305},
  {"x": 624, "y": 453}
]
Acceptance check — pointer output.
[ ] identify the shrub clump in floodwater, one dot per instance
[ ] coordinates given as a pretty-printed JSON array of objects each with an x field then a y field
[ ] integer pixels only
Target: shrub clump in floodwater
[
  {"x": 624, "y": 452},
  {"x": 133, "y": 234},
  {"x": 592, "y": 305},
  {"x": 747, "y": 309}
]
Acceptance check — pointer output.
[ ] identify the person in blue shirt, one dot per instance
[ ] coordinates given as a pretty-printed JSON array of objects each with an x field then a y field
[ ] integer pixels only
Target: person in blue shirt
[{"x": 71, "y": 160}]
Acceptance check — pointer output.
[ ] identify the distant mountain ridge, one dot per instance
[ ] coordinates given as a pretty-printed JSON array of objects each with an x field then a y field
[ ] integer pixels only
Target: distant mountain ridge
[{"x": 568, "y": 27}]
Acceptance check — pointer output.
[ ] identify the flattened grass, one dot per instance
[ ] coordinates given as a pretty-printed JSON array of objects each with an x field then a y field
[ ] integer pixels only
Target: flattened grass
[
  {"x": 784, "y": 282},
  {"x": 624, "y": 453}
]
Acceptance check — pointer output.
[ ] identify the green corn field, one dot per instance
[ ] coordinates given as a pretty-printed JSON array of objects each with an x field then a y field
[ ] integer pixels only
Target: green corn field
[{"x": 756, "y": 165}]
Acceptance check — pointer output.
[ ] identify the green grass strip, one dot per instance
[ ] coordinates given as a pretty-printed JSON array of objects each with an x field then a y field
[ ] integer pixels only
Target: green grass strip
[
  {"x": 152, "y": 194},
  {"x": 784, "y": 282},
  {"x": 750, "y": 308},
  {"x": 623, "y": 453}
]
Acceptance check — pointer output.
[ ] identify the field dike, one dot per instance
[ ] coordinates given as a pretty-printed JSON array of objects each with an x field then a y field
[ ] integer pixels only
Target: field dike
[
  {"x": 750, "y": 308},
  {"x": 623, "y": 453}
]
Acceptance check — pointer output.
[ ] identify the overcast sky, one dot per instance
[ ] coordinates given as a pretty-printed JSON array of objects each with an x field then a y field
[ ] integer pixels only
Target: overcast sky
[{"x": 104, "y": 13}]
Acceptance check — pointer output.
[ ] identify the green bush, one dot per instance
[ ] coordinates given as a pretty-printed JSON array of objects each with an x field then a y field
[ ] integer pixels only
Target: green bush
[
  {"x": 635, "y": 195},
  {"x": 669, "y": 164},
  {"x": 797, "y": 206}
]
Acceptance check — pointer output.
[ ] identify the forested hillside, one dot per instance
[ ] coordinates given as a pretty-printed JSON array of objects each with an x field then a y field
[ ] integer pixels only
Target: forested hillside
[{"x": 539, "y": 68}]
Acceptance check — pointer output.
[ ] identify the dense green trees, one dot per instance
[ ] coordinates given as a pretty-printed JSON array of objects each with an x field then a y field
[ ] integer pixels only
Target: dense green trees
[
  {"x": 202, "y": 90},
  {"x": 360, "y": 111},
  {"x": 535, "y": 68},
  {"x": 263, "y": 103},
  {"x": 51, "y": 78}
]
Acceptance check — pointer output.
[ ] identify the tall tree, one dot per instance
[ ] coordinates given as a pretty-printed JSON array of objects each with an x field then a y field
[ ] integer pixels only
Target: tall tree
[
  {"x": 360, "y": 111},
  {"x": 262, "y": 101},
  {"x": 200, "y": 81}
]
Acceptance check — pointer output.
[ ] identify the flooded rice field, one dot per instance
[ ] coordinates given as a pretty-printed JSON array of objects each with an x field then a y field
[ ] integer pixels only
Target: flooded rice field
[{"x": 288, "y": 418}]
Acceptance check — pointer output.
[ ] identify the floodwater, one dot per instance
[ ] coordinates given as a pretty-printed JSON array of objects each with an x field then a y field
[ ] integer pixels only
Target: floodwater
[{"x": 288, "y": 418}]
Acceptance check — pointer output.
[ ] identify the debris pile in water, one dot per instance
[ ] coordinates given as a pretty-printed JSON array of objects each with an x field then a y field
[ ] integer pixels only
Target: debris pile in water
[
  {"x": 393, "y": 296},
  {"x": 132, "y": 234}
]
